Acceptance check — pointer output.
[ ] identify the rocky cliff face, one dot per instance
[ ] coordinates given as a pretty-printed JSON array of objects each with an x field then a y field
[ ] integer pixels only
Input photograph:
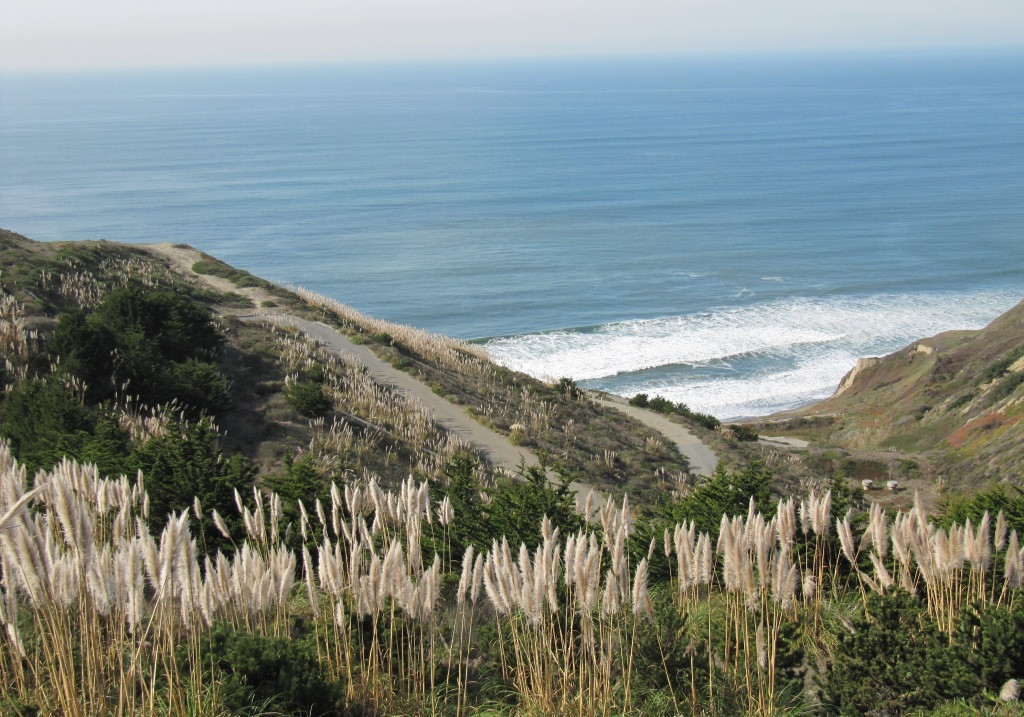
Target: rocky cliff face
[{"x": 958, "y": 397}]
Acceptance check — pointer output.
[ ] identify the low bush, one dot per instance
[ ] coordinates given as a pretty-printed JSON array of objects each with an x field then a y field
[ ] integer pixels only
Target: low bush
[
  {"x": 309, "y": 399},
  {"x": 663, "y": 405},
  {"x": 279, "y": 675},
  {"x": 743, "y": 433},
  {"x": 895, "y": 660}
]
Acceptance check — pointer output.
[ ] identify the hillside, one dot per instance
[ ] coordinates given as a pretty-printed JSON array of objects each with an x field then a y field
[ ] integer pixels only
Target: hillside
[
  {"x": 355, "y": 424},
  {"x": 221, "y": 497},
  {"x": 953, "y": 401}
]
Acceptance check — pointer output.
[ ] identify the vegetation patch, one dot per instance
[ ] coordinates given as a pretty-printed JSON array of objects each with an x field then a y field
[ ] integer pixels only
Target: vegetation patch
[
  {"x": 238, "y": 277},
  {"x": 1006, "y": 386},
  {"x": 962, "y": 435},
  {"x": 376, "y": 567},
  {"x": 663, "y": 405}
]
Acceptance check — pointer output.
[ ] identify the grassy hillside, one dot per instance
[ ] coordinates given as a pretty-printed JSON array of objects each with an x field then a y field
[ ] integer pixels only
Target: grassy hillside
[
  {"x": 955, "y": 400},
  {"x": 276, "y": 375},
  {"x": 249, "y": 525}
]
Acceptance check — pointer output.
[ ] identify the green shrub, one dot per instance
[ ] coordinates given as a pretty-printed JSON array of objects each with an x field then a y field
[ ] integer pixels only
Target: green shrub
[
  {"x": 18, "y": 708},
  {"x": 743, "y": 433},
  {"x": 1006, "y": 386},
  {"x": 240, "y": 278},
  {"x": 309, "y": 399},
  {"x": 1009, "y": 499},
  {"x": 516, "y": 509},
  {"x": 41, "y": 418},
  {"x": 724, "y": 493},
  {"x": 133, "y": 340},
  {"x": 568, "y": 388},
  {"x": 961, "y": 401},
  {"x": 993, "y": 635},
  {"x": 1000, "y": 367},
  {"x": 640, "y": 400},
  {"x": 283, "y": 676},
  {"x": 894, "y": 660},
  {"x": 185, "y": 462},
  {"x": 663, "y": 405},
  {"x": 200, "y": 383}
]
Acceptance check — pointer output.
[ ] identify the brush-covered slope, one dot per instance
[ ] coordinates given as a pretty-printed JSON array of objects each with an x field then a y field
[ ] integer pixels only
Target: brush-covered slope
[
  {"x": 958, "y": 396},
  {"x": 280, "y": 397}
]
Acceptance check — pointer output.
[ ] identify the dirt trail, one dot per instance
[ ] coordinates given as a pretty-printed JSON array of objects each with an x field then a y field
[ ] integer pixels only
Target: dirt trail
[
  {"x": 493, "y": 446},
  {"x": 701, "y": 458}
]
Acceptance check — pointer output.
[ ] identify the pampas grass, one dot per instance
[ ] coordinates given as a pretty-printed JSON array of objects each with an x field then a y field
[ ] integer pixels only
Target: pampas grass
[{"x": 101, "y": 617}]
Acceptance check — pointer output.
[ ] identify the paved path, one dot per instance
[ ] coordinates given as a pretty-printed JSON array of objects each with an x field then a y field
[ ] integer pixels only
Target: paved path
[
  {"x": 496, "y": 448},
  {"x": 701, "y": 458},
  {"x": 493, "y": 446}
]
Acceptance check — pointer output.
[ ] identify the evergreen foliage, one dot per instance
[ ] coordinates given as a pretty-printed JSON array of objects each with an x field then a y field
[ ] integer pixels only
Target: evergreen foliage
[
  {"x": 894, "y": 659},
  {"x": 683, "y": 651},
  {"x": 44, "y": 420},
  {"x": 663, "y": 405},
  {"x": 309, "y": 399},
  {"x": 515, "y": 511},
  {"x": 156, "y": 345},
  {"x": 184, "y": 463},
  {"x": 724, "y": 493},
  {"x": 1009, "y": 499},
  {"x": 279, "y": 675}
]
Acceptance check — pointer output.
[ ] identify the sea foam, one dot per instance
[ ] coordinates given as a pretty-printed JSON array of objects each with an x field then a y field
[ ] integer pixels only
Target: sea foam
[{"x": 750, "y": 360}]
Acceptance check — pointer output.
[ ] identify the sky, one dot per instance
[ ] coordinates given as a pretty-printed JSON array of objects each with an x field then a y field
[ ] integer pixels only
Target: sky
[{"x": 136, "y": 34}]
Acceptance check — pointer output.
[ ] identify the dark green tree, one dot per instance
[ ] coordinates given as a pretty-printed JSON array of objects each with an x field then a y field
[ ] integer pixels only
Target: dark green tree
[
  {"x": 462, "y": 488},
  {"x": 281, "y": 675},
  {"x": 518, "y": 507},
  {"x": 724, "y": 493},
  {"x": 44, "y": 421},
  {"x": 309, "y": 399},
  {"x": 153, "y": 344},
  {"x": 185, "y": 463},
  {"x": 1009, "y": 499}
]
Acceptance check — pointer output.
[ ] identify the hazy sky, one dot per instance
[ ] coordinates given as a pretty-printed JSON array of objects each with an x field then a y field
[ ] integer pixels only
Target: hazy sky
[{"x": 142, "y": 33}]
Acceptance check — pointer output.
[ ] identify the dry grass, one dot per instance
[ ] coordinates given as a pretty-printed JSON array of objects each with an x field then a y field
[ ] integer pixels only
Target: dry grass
[{"x": 94, "y": 607}]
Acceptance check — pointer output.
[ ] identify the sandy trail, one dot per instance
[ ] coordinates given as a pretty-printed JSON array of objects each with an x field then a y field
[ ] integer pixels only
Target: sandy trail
[{"x": 701, "y": 458}]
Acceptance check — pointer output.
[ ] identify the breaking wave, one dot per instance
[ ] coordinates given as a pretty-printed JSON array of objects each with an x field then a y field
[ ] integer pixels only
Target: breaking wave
[{"x": 749, "y": 360}]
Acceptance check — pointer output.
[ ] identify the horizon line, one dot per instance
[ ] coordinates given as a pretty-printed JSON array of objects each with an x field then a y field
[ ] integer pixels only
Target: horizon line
[{"x": 851, "y": 53}]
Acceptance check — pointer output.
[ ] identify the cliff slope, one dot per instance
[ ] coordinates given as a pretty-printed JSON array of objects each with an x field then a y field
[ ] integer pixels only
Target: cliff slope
[{"x": 956, "y": 398}]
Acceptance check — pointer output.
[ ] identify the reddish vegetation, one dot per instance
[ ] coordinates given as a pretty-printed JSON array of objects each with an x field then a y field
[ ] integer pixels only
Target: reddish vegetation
[{"x": 990, "y": 420}]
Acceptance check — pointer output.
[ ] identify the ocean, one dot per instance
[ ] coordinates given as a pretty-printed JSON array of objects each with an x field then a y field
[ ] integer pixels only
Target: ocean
[{"x": 730, "y": 232}]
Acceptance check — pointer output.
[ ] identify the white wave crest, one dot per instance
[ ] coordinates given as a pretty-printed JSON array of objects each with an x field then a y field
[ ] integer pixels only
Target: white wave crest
[
  {"x": 794, "y": 350},
  {"x": 755, "y": 394}
]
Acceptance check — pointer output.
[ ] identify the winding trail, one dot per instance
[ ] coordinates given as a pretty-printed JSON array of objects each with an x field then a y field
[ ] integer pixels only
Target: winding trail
[
  {"x": 700, "y": 456},
  {"x": 493, "y": 446},
  {"x": 496, "y": 448}
]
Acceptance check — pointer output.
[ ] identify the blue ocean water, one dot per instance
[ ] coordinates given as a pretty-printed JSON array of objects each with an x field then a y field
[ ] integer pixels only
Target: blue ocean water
[{"x": 729, "y": 232}]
